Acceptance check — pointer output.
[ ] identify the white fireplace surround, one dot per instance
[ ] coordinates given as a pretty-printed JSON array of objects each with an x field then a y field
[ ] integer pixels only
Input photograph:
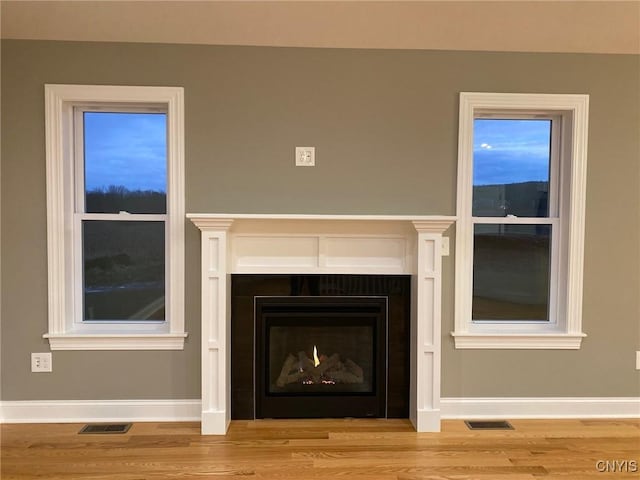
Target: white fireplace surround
[{"x": 321, "y": 244}]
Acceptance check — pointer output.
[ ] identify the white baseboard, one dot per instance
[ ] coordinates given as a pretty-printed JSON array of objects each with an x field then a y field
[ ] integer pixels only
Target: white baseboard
[
  {"x": 83, "y": 411},
  {"x": 551, "y": 407}
]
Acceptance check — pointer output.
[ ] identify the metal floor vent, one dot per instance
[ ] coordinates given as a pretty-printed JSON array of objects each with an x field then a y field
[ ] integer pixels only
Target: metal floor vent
[
  {"x": 106, "y": 428},
  {"x": 488, "y": 425}
]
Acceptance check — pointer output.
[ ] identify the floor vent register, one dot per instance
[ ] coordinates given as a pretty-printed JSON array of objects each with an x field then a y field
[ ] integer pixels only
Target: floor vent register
[
  {"x": 108, "y": 428},
  {"x": 488, "y": 425}
]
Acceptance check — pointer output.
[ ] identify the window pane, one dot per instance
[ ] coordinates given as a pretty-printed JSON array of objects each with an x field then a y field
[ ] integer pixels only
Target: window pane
[
  {"x": 511, "y": 266},
  {"x": 124, "y": 270},
  {"x": 511, "y": 164},
  {"x": 125, "y": 162}
]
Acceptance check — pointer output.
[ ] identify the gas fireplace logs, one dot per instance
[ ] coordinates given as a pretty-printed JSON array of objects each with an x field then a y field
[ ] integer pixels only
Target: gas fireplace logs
[{"x": 327, "y": 371}]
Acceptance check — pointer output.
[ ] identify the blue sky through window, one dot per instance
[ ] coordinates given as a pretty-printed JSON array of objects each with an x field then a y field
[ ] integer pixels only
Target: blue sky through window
[
  {"x": 510, "y": 151},
  {"x": 125, "y": 149}
]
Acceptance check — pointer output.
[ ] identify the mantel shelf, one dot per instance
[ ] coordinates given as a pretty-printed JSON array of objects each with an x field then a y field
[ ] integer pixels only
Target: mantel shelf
[
  {"x": 310, "y": 217},
  {"x": 226, "y": 221}
]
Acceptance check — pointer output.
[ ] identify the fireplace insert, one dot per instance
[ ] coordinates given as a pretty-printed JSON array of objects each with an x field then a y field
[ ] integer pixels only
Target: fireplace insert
[
  {"x": 320, "y": 356},
  {"x": 247, "y": 366}
]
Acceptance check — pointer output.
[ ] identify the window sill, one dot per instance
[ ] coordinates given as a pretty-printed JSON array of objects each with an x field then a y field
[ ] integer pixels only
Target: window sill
[
  {"x": 518, "y": 341},
  {"x": 115, "y": 341}
]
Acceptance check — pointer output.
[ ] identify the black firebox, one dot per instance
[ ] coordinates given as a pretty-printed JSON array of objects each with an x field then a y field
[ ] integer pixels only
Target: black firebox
[{"x": 320, "y": 357}]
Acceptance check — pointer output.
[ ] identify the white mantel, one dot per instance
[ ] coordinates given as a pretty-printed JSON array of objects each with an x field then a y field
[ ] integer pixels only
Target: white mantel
[{"x": 315, "y": 244}]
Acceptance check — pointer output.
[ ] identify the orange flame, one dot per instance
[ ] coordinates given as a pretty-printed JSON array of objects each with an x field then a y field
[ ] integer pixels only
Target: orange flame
[{"x": 316, "y": 360}]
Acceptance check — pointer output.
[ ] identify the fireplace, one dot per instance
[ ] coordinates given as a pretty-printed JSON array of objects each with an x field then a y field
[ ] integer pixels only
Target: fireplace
[
  {"x": 292, "y": 246},
  {"x": 320, "y": 357}
]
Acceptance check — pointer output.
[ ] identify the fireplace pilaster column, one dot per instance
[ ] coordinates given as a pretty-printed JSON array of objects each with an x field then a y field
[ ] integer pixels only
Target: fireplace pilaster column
[
  {"x": 216, "y": 327},
  {"x": 424, "y": 408}
]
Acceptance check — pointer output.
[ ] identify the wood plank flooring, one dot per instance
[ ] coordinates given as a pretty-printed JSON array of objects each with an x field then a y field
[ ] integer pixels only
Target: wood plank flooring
[{"x": 358, "y": 449}]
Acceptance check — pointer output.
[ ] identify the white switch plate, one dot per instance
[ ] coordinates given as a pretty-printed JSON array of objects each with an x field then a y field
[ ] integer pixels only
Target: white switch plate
[
  {"x": 305, "y": 156},
  {"x": 637, "y": 360},
  {"x": 445, "y": 246},
  {"x": 41, "y": 362}
]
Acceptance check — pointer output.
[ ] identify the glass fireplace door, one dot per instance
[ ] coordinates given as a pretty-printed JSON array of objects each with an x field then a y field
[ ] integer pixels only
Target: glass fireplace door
[
  {"x": 320, "y": 357},
  {"x": 323, "y": 356}
]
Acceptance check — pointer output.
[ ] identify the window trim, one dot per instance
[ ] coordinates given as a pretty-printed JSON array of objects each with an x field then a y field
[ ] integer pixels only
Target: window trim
[
  {"x": 566, "y": 331},
  {"x": 64, "y": 332}
]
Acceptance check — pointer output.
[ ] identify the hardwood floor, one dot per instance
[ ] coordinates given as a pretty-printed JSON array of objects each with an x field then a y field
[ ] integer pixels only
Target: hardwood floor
[{"x": 324, "y": 449}]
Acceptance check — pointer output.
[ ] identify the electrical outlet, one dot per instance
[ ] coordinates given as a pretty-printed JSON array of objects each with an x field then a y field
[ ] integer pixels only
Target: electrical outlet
[
  {"x": 41, "y": 362},
  {"x": 305, "y": 156}
]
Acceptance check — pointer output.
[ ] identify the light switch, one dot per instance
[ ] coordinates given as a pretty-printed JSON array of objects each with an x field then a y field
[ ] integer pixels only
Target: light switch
[
  {"x": 305, "y": 156},
  {"x": 445, "y": 246}
]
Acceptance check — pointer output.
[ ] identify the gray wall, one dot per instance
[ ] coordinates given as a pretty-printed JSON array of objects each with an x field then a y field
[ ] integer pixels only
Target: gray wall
[{"x": 384, "y": 124}]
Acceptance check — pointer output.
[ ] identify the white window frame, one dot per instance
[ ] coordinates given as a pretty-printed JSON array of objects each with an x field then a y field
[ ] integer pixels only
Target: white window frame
[
  {"x": 67, "y": 331},
  {"x": 566, "y": 214}
]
